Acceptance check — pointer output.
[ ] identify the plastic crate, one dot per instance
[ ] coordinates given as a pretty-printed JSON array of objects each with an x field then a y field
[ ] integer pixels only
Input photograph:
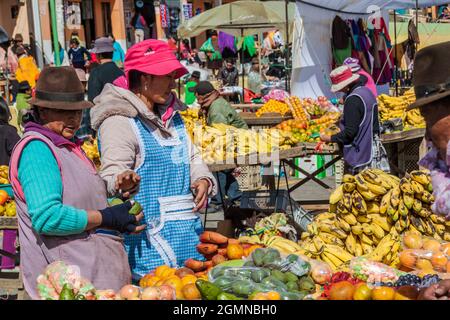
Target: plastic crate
[
  {"x": 339, "y": 172},
  {"x": 269, "y": 202},
  {"x": 250, "y": 178}
]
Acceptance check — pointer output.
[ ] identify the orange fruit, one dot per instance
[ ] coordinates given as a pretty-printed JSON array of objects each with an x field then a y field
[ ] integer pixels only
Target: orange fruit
[
  {"x": 3, "y": 197},
  {"x": 160, "y": 270},
  {"x": 439, "y": 261},
  {"x": 188, "y": 279},
  {"x": 413, "y": 240},
  {"x": 260, "y": 296},
  {"x": 383, "y": 293},
  {"x": 445, "y": 248},
  {"x": 190, "y": 292},
  {"x": 273, "y": 295},
  {"x": 408, "y": 258},
  {"x": 424, "y": 264},
  {"x": 235, "y": 251},
  {"x": 431, "y": 245},
  {"x": 174, "y": 282},
  {"x": 362, "y": 292},
  {"x": 342, "y": 290},
  {"x": 148, "y": 281},
  {"x": 448, "y": 267}
]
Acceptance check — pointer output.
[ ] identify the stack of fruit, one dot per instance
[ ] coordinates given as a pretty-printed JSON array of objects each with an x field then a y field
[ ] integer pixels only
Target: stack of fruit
[
  {"x": 192, "y": 119},
  {"x": 221, "y": 142},
  {"x": 395, "y": 107},
  {"x": 309, "y": 131},
  {"x": 4, "y": 175},
  {"x": 316, "y": 108},
  {"x": 273, "y": 106},
  {"x": 217, "y": 249},
  {"x": 425, "y": 255},
  {"x": 296, "y": 106},
  {"x": 91, "y": 150},
  {"x": 7, "y": 205},
  {"x": 372, "y": 209}
]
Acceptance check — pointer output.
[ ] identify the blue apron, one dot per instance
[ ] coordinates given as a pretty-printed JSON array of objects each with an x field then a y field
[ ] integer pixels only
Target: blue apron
[{"x": 172, "y": 228}]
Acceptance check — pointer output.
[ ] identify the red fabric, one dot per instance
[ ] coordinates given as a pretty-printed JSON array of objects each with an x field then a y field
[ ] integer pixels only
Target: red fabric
[
  {"x": 347, "y": 74},
  {"x": 249, "y": 95},
  {"x": 153, "y": 57}
]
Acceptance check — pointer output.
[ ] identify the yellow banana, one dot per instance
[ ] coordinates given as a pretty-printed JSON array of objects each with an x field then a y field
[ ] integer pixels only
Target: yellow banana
[
  {"x": 341, "y": 223},
  {"x": 347, "y": 178},
  {"x": 359, "y": 202},
  {"x": 365, "y": 239},
  {"x": 395, "y": 197},
  {"x": 349, "y": 218},
  {"x": 358, "y": 249},
  {"x": 361, "y": 184},
  {"x": 325, "y": 216},
  {"x": 402, "y": 209},
  {"x": 350, "y": 244},
  {"x": 363, "y": 219},
  {"x": 367, "y": 249},
  {"x": 405, "y": 186},
  {"x": 373, "y": 208},
  {"x": 335, "y": 261},
  {"x": 338, "y": 252},
  {"x": 357, "y": 230},
  {"x": 408, "y": 200},
  {"x": 367, "y": 229},
  {"x": 333, "y": 230},
  {"x": 420, "y": 177},
  {"x": 349, "y": 187},
  {"x": 385, "y": 202},
  {"x": 417, "y": 205},
  {"x": 377, "y": 189},
  {"x": 417, "y": 187},
  {"x": 347, "y": 201},
  {"x": 337, "y": 195},
  {"x": 377, "y": 231},
  {"x": 427, "y": 197},
  {"x": 371, "y": 178},
  {"x": 368, "y": 195},
  {"x": 381, "y": 222}
]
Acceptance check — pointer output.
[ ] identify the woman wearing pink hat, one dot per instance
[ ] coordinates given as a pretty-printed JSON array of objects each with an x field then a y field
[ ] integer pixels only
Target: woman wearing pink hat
[
  {"x": 360, "y": 128},
  {"x": 146, "y": 151}
]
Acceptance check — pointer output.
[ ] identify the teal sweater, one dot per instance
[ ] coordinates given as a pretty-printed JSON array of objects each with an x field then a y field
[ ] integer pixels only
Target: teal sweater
[{"x": 41, "y": 183}]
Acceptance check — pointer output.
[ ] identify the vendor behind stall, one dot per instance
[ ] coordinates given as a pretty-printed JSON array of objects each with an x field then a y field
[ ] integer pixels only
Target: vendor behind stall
[
  {"x": 255, "y": 79},
  {"x": 189, "y": 96},
  {"x": 217, "y": 110},
  {"x": 432, "y": 88},
  {"x": 359, "y": 125}
]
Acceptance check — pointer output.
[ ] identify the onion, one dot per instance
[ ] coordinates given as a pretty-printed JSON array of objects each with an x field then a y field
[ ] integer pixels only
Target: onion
[{"x": 129, "y": 292}]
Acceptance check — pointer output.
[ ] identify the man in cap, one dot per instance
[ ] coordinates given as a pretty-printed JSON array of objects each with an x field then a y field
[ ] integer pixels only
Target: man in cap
[
  {"x": 360, "y": 129},
  {"x": 189, "y": 96},
  {"x": 107, "y": 71},
  {"x": 432, "y": 87},
  {"x": 217, "y": 110},
  {"x": 8, "y": 59}
]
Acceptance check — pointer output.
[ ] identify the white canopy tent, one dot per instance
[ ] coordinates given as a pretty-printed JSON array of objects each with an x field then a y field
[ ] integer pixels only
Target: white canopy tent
[{"x": 312, "y": 54}]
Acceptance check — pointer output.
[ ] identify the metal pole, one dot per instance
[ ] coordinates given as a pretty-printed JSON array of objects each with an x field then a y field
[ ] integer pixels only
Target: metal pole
[
  {"x": 55, "y": 32},
  {"x": 37, "y": 33},
  {"x": 286, "y": 63},
  {"x": 243, "y": 68},
  {"x": 417, "y": 21},
  {"x": 396, "y": 61}
]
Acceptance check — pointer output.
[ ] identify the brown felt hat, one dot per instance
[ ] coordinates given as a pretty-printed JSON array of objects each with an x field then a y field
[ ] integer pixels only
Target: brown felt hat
[
  {"x": 431, "y": 74},
  {"x": 59, "y": 88}
]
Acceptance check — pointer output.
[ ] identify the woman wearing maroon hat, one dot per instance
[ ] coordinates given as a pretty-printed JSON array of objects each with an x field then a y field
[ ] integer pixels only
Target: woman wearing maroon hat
[{"x": 145, "y": 150}]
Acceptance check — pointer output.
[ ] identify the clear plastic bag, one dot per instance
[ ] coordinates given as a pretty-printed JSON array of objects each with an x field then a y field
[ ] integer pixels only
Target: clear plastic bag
[
  {"x": 271, "y": 258},
  {"x": 372, "y": 272}
]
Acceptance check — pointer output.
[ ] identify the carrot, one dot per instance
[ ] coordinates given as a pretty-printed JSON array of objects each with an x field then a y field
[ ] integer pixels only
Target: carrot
[
  {"x": 222, "y": 252},
  {"x": 218, "y": 259},
  {"x": 213, "y": 237},
  {"x": 201, "y": 273},
  {"x": 207, "y": 248},
  {"x": 195, "y": 265},
  {"x": 208, "y": 264}
]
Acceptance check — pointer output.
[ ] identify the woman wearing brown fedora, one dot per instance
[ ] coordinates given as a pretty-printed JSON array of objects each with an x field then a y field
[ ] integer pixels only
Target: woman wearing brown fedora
[{"x": 61, "y": 201}]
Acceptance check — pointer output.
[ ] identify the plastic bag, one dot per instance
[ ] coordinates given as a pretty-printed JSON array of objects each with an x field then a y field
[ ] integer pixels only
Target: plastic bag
[
  {"x": 58, "y": 274},
  {"x": 271, "y": 258},
  {"x": 372, "y": 272},
  {"x": 425, "y": 260},
  {"x": 413, "y": 240}
]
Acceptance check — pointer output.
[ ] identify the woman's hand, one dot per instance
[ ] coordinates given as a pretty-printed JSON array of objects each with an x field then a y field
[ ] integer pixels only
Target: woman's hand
[
  {"x": 325, "y": 138},
  {"x": 438, "y": 291},
  {"x": 200, "y": 189},
  {"x": 127, "y": 182}
]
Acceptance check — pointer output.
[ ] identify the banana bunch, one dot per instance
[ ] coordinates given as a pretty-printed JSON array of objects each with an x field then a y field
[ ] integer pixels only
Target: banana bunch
[
  {"x": 284, "y": 245},
  {"x": 192, "y": 118},
  {"x": 414, "y": 119},
  {"x": 91, "y": 150},
  {"x": 395, "y": 107},
  {"x": 220, "y": 141},
  {"x": 4, "y": 175},
  {"x": 8, "y": 209}
]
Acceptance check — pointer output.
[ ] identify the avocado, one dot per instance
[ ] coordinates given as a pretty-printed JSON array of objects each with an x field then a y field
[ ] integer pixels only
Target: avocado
[
  {"x": 227, "y": 296},
  {"x": 273, "y": 283},
  {"x": 223, "y": 281},
  {"x": 271, "y": 257},
  {"x": 278, "y": 275},
  {"x": 290, "y": 277},
  {"x": 292, "y": 286},
  {"x": 67, "y": 293},
  {"x": 242, "y": 287},
  {"x": 208, "y": 290},
  {"x": 258, "y": 256},
  {"x": 135, "y": 209},
  {"x": 258, "y": 275},
  {"x": 306, "y": 283}
]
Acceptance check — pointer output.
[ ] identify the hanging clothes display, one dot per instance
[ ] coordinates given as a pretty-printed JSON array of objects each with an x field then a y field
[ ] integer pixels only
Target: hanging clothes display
[
  {"x": 227, "y": 45},
  {"x": 381, "y": 46},
  {"x": 341, "y": 41},
  {"x": 247, "y": 48}
]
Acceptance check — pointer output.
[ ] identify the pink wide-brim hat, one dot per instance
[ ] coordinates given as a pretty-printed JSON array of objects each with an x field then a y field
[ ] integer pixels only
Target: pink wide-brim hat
[{"x": 153, "y": 57}]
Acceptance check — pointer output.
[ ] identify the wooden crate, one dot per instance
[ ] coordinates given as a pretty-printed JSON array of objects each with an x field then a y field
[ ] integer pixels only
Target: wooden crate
[{"x": 250, "y": 178}]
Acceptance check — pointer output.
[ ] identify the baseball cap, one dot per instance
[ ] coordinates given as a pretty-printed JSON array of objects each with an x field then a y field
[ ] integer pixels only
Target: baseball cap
[
  {"x": 195, "y": 74},
  {"x": 103, "y": 44},
  {"x": 153, "y": 57},
  {"x": 203, "y": 87}
]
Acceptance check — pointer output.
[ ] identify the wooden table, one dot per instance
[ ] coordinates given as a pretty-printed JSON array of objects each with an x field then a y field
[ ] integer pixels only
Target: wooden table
[{"x": 265, "y": 120}]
